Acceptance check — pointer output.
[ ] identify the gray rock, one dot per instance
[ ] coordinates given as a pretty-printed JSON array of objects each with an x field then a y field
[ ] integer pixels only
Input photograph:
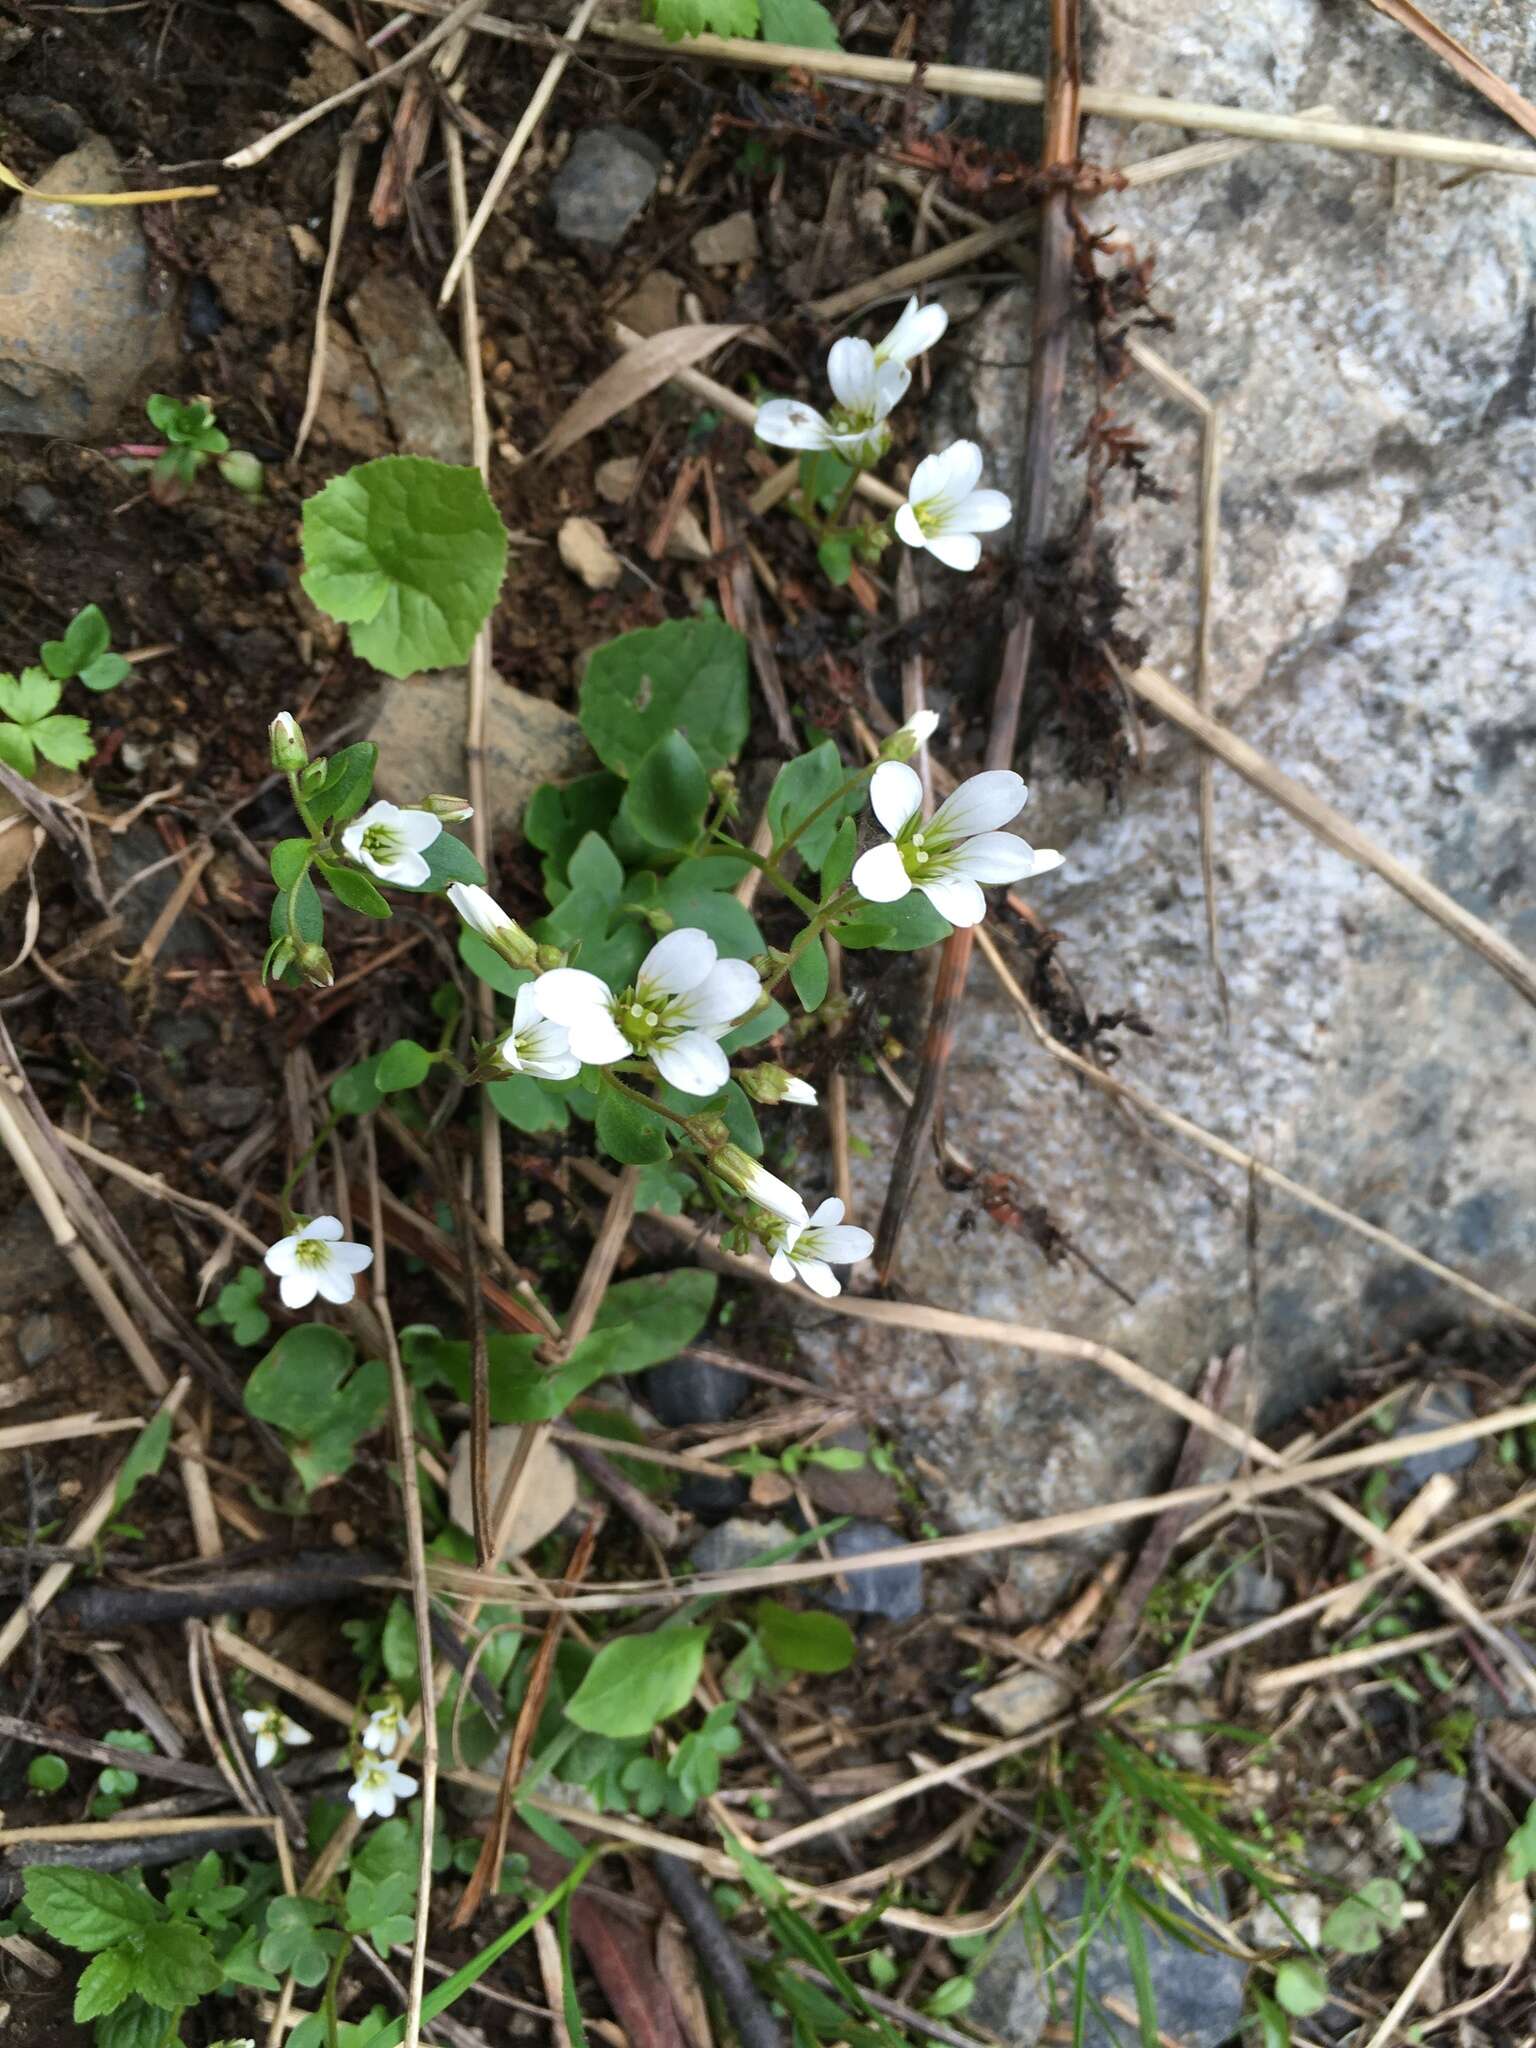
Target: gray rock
[
  {"x": 1379, "y": 521},
  {"x": 1198, "y": 1993},
  {"x": 895, "y": 1590},
  {"x": 419, "y": 727},
  {"x": 79, "y": 327},
  {"x": 51, "y": 124},
  {"x": 1432, "y": 1806},
  {"x": 39, "y": 1338},
  {"x": 1248, "y": 1593},
  {"x": 37, "y": 507},
  {"x": 738, "y": 1543},
  {"x": 688, "y": 1390},
  {"x": 125, "y": 856},
  {"x": 419, "y": 371},
  {"x": 710, "y": 1498},
  {"x": 227, "y": 1105},
  {"x": 604, "y": 185},
  {"x": 1023, "y": 1699},
  {"x": 1439, "y": 1408}
]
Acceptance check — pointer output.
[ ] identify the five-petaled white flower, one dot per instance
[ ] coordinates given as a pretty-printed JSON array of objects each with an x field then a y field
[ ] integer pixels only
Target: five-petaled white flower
[
  {"x": 535, "y": 1045},
  {"x": 741, "y": 1171},
  {"x": 918, "y": 329},
  {"x": 684, "y": 998},
  {"x": 944, "y": 511},
  {"x": 381, "y": 1730},
  {"x": 809, "y": 1251},
  {"x": 866, "y": 392},
  {"x": 960, "y": 847},
  {"x": 270, "y": 1729},
  {"x": 377, "y": 1786},
  {"x": 317, "y": 1260},
  {"x": 391, "y": 842}
]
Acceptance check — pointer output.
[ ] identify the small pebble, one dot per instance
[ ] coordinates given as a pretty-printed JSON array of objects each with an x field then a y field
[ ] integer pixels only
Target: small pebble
[
  {"x": 38, "y": 1339},
  {"x": 709, "y": 1498},
  {"x": 37, "y": 507},
  {"x": 732, "y": 240},
  {"x": 687, "y": 1390},
  {"x": 738, "y": 1543},
  {"x": 895, "y": 1591},
  {"x": 585, "y": 551},
  {"x": 1432, "y": 1807},
  {"x": 204, "y": 316}
]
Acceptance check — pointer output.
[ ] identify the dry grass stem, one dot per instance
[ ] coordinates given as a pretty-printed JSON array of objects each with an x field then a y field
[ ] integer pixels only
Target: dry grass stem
[
  {"x": 905, "y": 277},
  {"x": 21, "y": 1436},
  {"x": 1432, "y": 1498},
  {"x": 1265, "y": 1686},
  {"x": 1476, "y": 74},
  {"x": 341, "y": 205}
]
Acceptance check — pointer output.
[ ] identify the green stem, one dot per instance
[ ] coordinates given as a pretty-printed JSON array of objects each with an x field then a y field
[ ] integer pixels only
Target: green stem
[
  {"x": 304, "y": 1159},
  {"x": 303, "y": 808},
  {"x": 828, "y": 914},
  {"x": 854, "y": 781},
  {"x": 646, "y": 1101},
  {"x": 328, "y": 1997},
  {"x": 836, "y": 516},
  {"x": 757, "y": 860}
]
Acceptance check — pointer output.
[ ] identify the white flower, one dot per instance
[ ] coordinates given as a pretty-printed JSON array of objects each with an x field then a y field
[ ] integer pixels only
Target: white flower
[
  {"x": 796, "y": 1090},
  {"x": 391, "y": 842},
  {"x": 772, "y": 1084},
  {"x": 684, "y": 998},
  {"x": 906, "y": 739},
  {"x": 381, "y": 1731},
  {"x": 811, "y": 1250},
  {"x": 317, "y": 1260},
  {"x": 376, "y": 1787},
  {"x": 866, "y": 393},
  {"x": 741, "y": 1171},
  {"x": 960, "y": 847},
  {"x": 535, "y": 1045},
  {"x": 944, "y": 511},
  {"x": 269, "y": 1729},
  {"x": 918, "y": 329}
]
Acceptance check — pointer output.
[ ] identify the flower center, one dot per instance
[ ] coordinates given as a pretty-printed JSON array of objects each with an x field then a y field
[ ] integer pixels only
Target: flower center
[
  {"x": 312, "y": 1251},
  {"x": 641, "y": 1016},
  {"x": 379, "y": 840}
]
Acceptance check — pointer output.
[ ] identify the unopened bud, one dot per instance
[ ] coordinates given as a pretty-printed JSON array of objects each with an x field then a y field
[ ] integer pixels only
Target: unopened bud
[
  {"x": 550, "y": 957},
  {"x": 906, "y": 739},
  {"x": 487, "y": 920},
  {"x": 709, "y": 1131},
  {"x": 722, "y": 786},
  {"x": 289, "y": 753},
  {"x": 314, "y": 963},
  {"x": 660, "y": 921},
  {"x": 772, "y": 1084},
  {"x": 741, "y": 1171},
  {"x": 453, "y": 810}
]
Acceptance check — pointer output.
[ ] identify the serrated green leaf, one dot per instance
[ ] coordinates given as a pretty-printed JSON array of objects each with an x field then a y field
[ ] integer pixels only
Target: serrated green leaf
[
  {"x": 146, "y": 1457},
  {"x": 136, "y": 2025},
  {"x": 353, "y": 888},
  {"x": 630, "y": 1132},
  {"x": 668, "y": 794},
  {"x": 805, "y": 23},
  {"x": 809, "y": 975},
  {"x": 689, "y": 675},
  {"x": 637, "y": 1681},
  {"x": 405, "y": 1064},
  {"x": 63, "y": 739},
  {"x": 16, "y": 750},
  {"x": 410, "y": 555},
  {"x": 104, "y": 1983},
  {"x": 174, "y": 1965},
  {"x": 243, "y": 1965},
  {"x": 85, "y": 1909},
  {"x": 29, "y": 697}
]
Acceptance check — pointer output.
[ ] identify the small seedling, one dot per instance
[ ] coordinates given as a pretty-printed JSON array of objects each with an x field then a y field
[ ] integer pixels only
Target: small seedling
[
  {"x": 237, "y": 1308},
  {"x": 31, "y": 725},
  {"x": 192, "y": 437}
]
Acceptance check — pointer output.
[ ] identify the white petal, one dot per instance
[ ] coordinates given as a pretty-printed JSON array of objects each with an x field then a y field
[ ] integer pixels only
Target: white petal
[
  {"x": 677, "y": 963},
  {"x": 327, "y": 1227},
  {"x": 294, "y": 1735},
  {"x": 335, "y": 1286},
  {"x": 992, "y": 857},
  {"x": 566, "y": 993},
  {"x": 403, "y": 1785},
  {"x": 781, "y": 1269},
  {"x": 255, "y": 1719},
  {"x": 408, "y": 870},
  {"x": 829, "y": 1211},
  {"x": 895, "y": 794},
  {"x": 266, "y": 1748},
  {"x": 918, "y": 329},
  {"x": 851, "y": 373},
  {"x": 796, "y": 1090},
  {"x": 950, "y": 475},
  {"x": 880, "y": 875},
  {"x": 892, "y": 381},
  {"x": 844, "y": 1244},
  {"x": 819, "y": 1277},
  {"x": 478, "y": 908},
  {"x": 727, "y": 992},
  {"x": 862, "y": 446},
  {"x": 769, "y": 1192},
  {"x": 352, "y": 1258},
  {"x": 981, "y": 804},
  {"x": 791, "y": 423},
  {"x": 955, "y": 550},
  {"x": 921, "y": 727},
  {"x": 417, "y": 830},
  {"x": 693, "y": 1063},
  {"x": 596, "y": 1040},
  {"x": 908, "y": 529},
  {"x": 957, "y": 899},
  {"x": 980, "y": 512},
  {"x": 526, "y": 1013},
  {"x": 298, "y": 1289},
  {"x": 379, "y": 813},
  {"x": 1046, "y": 860},
  {"x": 282, "y": 1257}
]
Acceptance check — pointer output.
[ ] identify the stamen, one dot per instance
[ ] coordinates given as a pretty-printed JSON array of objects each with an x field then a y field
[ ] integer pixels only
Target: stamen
[
  {"x": 652, "y": 1019},
  {"x": 638, "y": 1010}
]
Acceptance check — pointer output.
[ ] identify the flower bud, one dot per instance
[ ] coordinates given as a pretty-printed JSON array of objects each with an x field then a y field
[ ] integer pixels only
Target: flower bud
[
  {"x": 660, "y": 921},
  {"x": 906, "y": 739},
  {"x": 772, "y": 1084},
  {"x": 314, "y": 963},
  {"x": 289, "y": 753},
  {"x": 487, "y": 920},
  {"x": 453, "y": 810},
  {"x": 741, "y": 1171},
  {"x": 549, "y": 957},
  {"x": 722, "y": 786},
  {"x": 709, "y": 1131}
]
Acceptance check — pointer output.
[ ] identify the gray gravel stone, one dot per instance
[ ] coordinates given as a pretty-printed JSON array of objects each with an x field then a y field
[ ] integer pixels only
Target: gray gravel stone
[
  {"x": 688, "y": 1390},
  {"x": 738, "y": 1543},
  {"x": 1439, "y": 1408},
  {"x": 39, "y": 1338},
  {"x": 37, "y": 507},
  {"x": 894, "y": 1591},
  {"x": 1432, "y": 1806},
  {"x": 420, "y": 373},
  {"x": 604, "y": 186}
]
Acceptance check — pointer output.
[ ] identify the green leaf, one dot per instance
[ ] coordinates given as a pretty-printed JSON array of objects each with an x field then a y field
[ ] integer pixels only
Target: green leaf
[
  {"x": 383, "y": 1907},
  {"x": 64, "y": 740},
  {"x": 951, "y": 1997},
  {"x": 805, "y": 23},
  {"x": 1359, "y": 1924},
  {"x": 557, "y": 819},
  {"x": 86, "y": 638},
  {"x": 405, "y": 1064},
  {"x": 296, "y": 1941},
  {"x": 327, "y": 1451},
  {"x": 668, "y": 794},
  {"x": 105, "y": 673},
  {"x": 762, "y": 1024},
  {"x": 836, "y": 558},
  {"x": 29, "y": 698},
  {"x": 289, "y": 859},
  {"x": 904, "y": 927},
  {"x": 488, "y": 966},
  {"x": 397, "y": 1647},
  {"x": 84, "y": 1908},
  {"x": 146, "y": 1457},
  {"x": 242, "y": 1964},
  {"x": 1274, "y": 2027},
  {"x": 823, "y": 477},
  {"x": 136, "y": 2025},
  {"x": 448, "y": 860},
  {"x": 300, "y": 1377},
  {"x": 47, "y": 1774},
  {"x": 630, "y": 1132},
  {"x": 355, "y": 1091},
  {"x": 175, "y": 1965},
  {"x": 662, "y": 1189},
  {"x": 353, "y": 888},
  {"x": 527, "y": 1104},
  {"x": 104, "y": 1983},
  {"x": 410, "y": 555},
  {"x": 679, "y": 18},
  {"x": 1521, "y": 1846},
  {"x": 347, "y": 784},
  {"x": 595, "y": 867},
  {"x": 16, "y": 750},
  {"x": 689, "y": 675},
  {"x": 809, "y": 975},
  {"x": 696, "y": 893},
  {"x": 637, "y": 1681},
  {"x": 798, "y": 1641},
  {"x": 662, "y": 1313},
  {"x": 800, "y": 788},
  {"x": 1301, "y": 1987}
]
